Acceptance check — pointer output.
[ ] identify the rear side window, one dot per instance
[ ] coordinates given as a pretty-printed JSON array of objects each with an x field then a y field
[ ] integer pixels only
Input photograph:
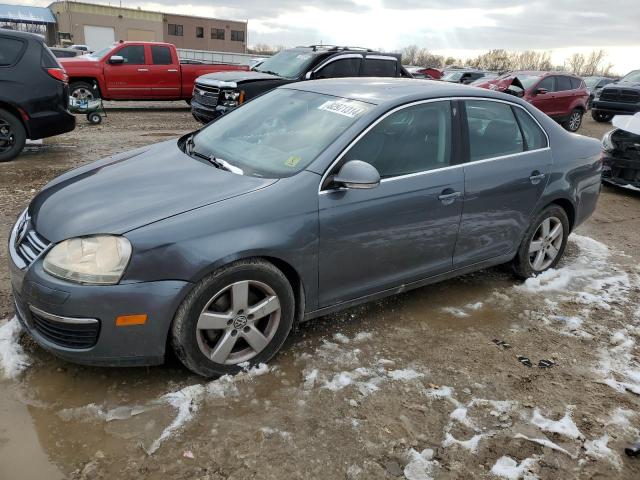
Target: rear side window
[
  {"x": 346, "y": 67},
  {"x": 534, "y": 137},
  {"x": 374, "y": 67},
  {"x": 493, "y": 130},
  {"x": 161, "y": 55},
  {"x": 48, "y": 59},
  {"x": 414, "y": 139},
  {"x": 133, "y": 54},
  {"x": 548, "y": 83},
  {"x": 575, "y": 83},
  {"x": 563, "y": 84},
  {"x": 10, "y": 51}
]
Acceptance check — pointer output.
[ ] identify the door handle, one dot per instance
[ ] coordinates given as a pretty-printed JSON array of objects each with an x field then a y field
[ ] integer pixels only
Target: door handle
[
  {"x": 536, "y": 176},
  {"x": 448, "y": 196},
  {"x": 172, "y": 70},
  {"x": 143, "y": 69}
]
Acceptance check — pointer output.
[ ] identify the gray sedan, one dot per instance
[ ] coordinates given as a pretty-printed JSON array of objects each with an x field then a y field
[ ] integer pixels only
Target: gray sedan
[{"x": 309, "y": 199}]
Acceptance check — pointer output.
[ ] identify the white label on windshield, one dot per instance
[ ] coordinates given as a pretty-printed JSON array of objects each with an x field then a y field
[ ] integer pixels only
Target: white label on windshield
[
  {"x": 303, "y": 56},
  {"x": 342, "y": 108}
]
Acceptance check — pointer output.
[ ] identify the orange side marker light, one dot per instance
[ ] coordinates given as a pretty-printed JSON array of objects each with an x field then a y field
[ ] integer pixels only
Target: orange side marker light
[{"x": 127, "y": 320}]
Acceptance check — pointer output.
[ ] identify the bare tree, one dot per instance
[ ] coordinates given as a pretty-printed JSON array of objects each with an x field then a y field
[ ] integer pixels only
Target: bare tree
[{"x": 409, "y": 55}]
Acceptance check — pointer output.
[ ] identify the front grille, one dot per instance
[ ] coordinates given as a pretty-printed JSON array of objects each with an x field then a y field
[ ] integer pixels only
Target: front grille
[
  {"x": 70, "y": 335},
  {"x": 623, "y": 95},
  {"x": 206, "y": 95},
  {"x": 29, "y": 244}
]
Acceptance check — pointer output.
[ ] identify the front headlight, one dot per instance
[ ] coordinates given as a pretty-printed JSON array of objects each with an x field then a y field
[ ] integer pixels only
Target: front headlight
[
  {"x": 232, "y": 98},
  {"x": 608, "y": 144},
  {"x": 100, "y": 259}
]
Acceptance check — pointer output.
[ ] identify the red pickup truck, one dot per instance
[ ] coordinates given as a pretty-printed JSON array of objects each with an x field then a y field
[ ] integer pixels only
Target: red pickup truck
[{"x": 136, "y": 71}]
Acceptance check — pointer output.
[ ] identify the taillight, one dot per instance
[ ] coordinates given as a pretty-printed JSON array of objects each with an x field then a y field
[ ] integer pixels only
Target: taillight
[{"x": 58, "y": 74}]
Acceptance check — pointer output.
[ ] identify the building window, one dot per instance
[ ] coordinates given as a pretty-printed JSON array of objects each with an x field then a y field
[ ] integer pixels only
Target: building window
[
  {"x": 237, "y": 35},
  {"x": 217, "y": 34},
  {"x": 175, "y": 30},
  {"x": 199, "y": 32}
]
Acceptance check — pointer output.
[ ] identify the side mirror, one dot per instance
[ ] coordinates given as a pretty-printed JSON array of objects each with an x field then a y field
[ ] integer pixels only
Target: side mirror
[
  {"x": 358, "y": 174},
  {"x": 541, "y": 91},
  {"x": 116, "y": 59},
  {"x": 308, "y": 76}
]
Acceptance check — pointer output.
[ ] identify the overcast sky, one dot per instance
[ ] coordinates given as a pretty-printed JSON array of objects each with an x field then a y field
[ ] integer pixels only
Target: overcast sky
[{"x": 461, "y": 28}]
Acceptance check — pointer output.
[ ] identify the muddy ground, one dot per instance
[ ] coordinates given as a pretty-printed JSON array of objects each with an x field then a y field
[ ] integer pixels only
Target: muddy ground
[{"x": 413, "y": 386}]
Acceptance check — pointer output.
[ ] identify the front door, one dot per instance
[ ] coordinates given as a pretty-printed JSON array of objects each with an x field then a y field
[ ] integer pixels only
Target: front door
[
  {"x": 508, "y": 169},
  {"x": 405, "y": 229},
  {"x": 130, "y": 79},
  {"x": 546, "y": 102}
]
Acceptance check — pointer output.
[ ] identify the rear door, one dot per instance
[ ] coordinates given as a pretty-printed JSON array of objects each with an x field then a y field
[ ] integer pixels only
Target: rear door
[
  {"x": 545, "y": 102},
  {"x": 347, "y": 65},
  {"x": 565, "y": 94},
  {"x": 508, "y": 166},
  {"x": 404, "y": 229},
  {"x": 128, "y": 80},
  {"x": 379, "y": 66},
  {"x": 164, "y": 72}
]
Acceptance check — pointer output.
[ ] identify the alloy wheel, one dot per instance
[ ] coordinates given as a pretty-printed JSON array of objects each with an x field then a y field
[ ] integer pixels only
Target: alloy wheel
[
  {"x": 82, "y": 93},
  {"x": 238, "y": 322},
  {"x": 574, "y": 121},
  {"x": 546, "y": 243},
  {"x": 7, "y": 137}
]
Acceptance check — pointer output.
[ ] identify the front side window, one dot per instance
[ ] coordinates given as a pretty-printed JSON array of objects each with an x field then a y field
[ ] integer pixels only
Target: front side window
[
  {"x": 133, "y": 54},
  {"x": 563, "y": 83},
  {"x": 374, "y": 67},
  {"x": 10, "y": 51},
  {"x": 279, "y": 133},
  {"x": 414, "y": 139},
  {"x": 345, "y": 67},
  {"x": 161, "y": 55},
  {"x": 575, "y": 83},
  {"x": 493, "y": 130},
  {"x": 548, "y": 83}
]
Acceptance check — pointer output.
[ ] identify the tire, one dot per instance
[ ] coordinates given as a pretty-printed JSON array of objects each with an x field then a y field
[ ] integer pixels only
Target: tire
[
  {"x": 94, "y": 118},
  {"x": 188, "y": 100},
  {"x": 575, "y": 120},
  {"x": 233, "y": 342},
  {"x": 601, "y": 117},
  {"x": 12, "y": 136},
  {"x": 524, "y": 264},
  {"x": 83, "y": 91}
]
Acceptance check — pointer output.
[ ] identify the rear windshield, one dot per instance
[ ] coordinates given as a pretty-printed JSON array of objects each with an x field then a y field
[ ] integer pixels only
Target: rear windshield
[
  {"x": 288, "y": 63},
  {"x": 278, "y": 134},
  {"x": 10, "y": 50}
]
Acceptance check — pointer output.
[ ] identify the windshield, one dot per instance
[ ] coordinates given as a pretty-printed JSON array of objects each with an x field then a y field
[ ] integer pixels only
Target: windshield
[
  {"x": 591, "y": 81},
  {"x": 278, "y": 134},
  {"x": 100, "y": 53},
  {"x": 452, "y": 76},
  {"x": 528, "y": 81},
  {"x": 288, "y": 63},
  {"x": 633, "y": 77}
]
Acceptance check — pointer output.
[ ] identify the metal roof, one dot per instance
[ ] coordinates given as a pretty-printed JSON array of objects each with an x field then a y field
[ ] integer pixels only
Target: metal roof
[{"x": 25, "y": 14}]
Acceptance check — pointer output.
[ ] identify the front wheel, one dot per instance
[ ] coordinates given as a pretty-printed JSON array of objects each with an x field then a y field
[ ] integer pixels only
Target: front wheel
[
  {"x": 601, "y": 117},
  {"x": 575, "y": 120},
  {"x": 544, "y": 242},
  {"x": 240, "y": 315}
]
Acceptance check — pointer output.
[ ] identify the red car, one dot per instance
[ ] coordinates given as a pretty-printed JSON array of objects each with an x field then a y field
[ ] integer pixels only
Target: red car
[
  {"x": 562, "y": 96},
  {"x": 136, "y": 71},
  {"x": 424, "y": 72}
]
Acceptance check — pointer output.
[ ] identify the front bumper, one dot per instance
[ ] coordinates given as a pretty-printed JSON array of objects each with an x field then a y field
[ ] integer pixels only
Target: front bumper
[
  {"x": 621, "y": 172},
  {"x": 205, "y": 114},
  {"x": 615, "y": 108},
  {"x": 78, "y": 322}
]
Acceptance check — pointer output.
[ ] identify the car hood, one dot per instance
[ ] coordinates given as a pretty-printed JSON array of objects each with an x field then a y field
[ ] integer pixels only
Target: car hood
[
  {"x": 628, "y": 123},
  {"x": 232, "y": 79},
  {"x": 78, "y": 61},
  {"x": 133, "y": 189}
]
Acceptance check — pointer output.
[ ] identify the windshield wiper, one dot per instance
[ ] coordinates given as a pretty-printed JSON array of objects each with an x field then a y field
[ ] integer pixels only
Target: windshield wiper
[{"x": 270, "y": 72}]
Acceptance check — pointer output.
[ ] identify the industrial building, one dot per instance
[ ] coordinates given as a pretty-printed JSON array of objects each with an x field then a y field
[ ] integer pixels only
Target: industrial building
[{"x": 65, "y": 23}]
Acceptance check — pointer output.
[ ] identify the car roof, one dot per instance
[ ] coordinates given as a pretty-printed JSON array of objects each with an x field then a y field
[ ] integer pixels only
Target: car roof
[
  {"x": 379, "y": 91},
  {"x": 18, "y": 34}
]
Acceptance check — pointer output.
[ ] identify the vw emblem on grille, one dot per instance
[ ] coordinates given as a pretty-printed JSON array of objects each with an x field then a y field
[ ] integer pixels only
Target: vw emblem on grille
[{"x": 22, "y": 230}]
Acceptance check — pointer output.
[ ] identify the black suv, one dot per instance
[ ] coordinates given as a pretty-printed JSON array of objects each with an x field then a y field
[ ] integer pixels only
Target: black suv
[
  {"x": 216, "y": 93},
  {"x": 34, "y": 94},
  {"x": 617, "y": 98}
]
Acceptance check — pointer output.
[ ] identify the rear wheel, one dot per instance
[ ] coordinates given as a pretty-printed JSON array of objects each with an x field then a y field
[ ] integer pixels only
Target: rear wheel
[
  {"x": 12, "y": 136},
  {"x": 83, "y": 91},
  {"x": 239, "y": 315},
  {"x": 600, "y": 116},
  {"x": 544, "y": 242},
  {"x": 575, "y": 120}
]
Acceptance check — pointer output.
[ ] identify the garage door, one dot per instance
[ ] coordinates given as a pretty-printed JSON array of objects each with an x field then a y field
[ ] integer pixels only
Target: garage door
[
  {"x": 141, "y": 35},
  {"x": 98, "y": 37}
]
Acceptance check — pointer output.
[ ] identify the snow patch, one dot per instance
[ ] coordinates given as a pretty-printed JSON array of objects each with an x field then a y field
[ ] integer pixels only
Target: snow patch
[
  {"x": 471, "y": 444},
  {"x": 13, "y": 360},
  {"x": 421, "y": 465},
  {"x": 440, "y": 392},
  {"x": 507, "y": 467},
  {"x": 598, "y": 449},
  {"x": 565, "y": 426},
  {"x": 545, "y": 442},
  {"x": 406, "y": 374},
  {"x": 456, "y": 312}
]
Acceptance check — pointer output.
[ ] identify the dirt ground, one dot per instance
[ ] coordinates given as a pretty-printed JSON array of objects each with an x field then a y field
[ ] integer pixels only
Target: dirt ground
[{"x": 417, "y": 386}]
